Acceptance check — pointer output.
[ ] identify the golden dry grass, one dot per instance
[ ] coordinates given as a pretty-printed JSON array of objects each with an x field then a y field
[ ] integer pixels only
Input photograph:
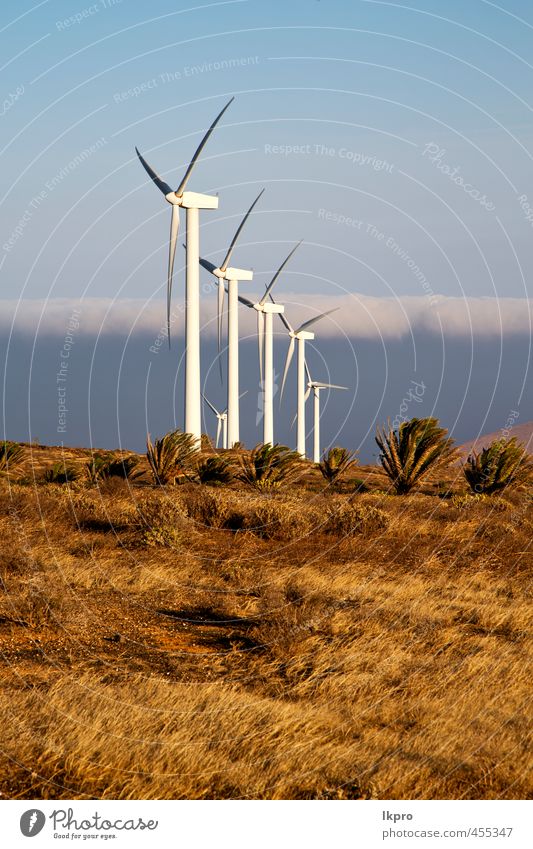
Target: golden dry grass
[{"x": 215, "y": 643}]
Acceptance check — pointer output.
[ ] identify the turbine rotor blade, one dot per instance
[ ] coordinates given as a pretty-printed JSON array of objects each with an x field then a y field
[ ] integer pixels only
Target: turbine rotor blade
[
  {"x": 315, "y": 319},
  {"x": 161, "y": 185},
  {"x": 260, "y": 341},
  {"x": 278, "y": 272},
  {"x": 210, "y": 405},
  {"x": 245, "y": 301},
  {"x": 284, "y": 320},
  {"x": 197, "y": 152},
  {"x": 307, "y": 394},
  {"x": 209, "y": 266},
  {"x": 238, "y": 233},
  {"x": 174, "y": 227},
  {"x": 290, "y": 353},
  {"x": 219, "y": 428},
  {"x": 308, "y": 373},
  {"x": 328, "y": 386}
]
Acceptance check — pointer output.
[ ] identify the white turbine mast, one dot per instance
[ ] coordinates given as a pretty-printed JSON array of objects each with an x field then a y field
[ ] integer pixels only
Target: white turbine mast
[
  {"x": 315, "y": 387},
  {"x": 265, "y": 311},
  {"x": 301, "y": 335},
  {"x": 225, "y": 273},
  {"x": 192, "y": 202}
]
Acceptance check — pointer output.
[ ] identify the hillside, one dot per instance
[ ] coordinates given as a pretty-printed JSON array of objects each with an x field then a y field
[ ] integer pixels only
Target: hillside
[
  {"x": 198, "y": 642},
  {"x": 523, "y": 432}
]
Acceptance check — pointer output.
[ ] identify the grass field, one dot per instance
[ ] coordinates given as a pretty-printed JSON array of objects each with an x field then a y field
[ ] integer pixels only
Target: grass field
[{"x": 199, "y": 642}]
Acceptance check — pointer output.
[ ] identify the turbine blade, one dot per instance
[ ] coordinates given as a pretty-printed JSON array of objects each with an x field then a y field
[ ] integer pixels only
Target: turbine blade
[
  {"x": 315, "y": 319},
  {"x": 220, "y": 310},
  {"x": 278, "y": 272},
  {"x": 307, "y": 394},
  {"x": 245, "y": 301},
  {"x": 329, "y": 386},
  {"x": 243, "y": 394},
  {"x": 308, "y": 373},
  {"x": 238, "y": 233},
  {"x": 219, "y": 428},
  {"x": 284, "y": 320},
  {"x": 260, "y": 341},
  {"x": 294, "y": 420},
  {"x": 197, "y": 152},
  {"x": 209, "y": 404},
  {"x": 290, "y": 353},
  {"x": 209, "y": 266},
  {"x": 161, "y": 185},
  {"x": 174, "y": 227}
]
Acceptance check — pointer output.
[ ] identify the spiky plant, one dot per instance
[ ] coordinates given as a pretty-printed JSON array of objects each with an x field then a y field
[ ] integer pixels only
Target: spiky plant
[
  {"x": 503, "y": 463},
  {"x": 336, "y": 463},
  {"x": 61, "y": 473},
  {"x": 269, "y": 466},
  {"x": 10, "y": 455},
  {"x": 215, "y": 471},
  {"x": 416, "y": 448},
  {"x": 101, "y": 468},
  {"x": 171, "y": 456}
]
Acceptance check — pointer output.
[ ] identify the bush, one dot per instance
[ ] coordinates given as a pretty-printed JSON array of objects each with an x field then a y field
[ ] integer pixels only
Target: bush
[
  {"x": 11, "y": 454},
  {"x": 344, "y": 518},
  {"x": 269, "y": 466},
  {"x": 336, "y": 463},
  {"x": 102, "y": 468},
  {"x": 502, "y": 464},
  {"x": 172, "y": 456},
  {"x": 208, "y": 508},
  {"x": 416, "y": 448},
  {"x": 162, "y": 522},
  {"x": 60, "y": 473},
  {"x": 214, "y": 471}
]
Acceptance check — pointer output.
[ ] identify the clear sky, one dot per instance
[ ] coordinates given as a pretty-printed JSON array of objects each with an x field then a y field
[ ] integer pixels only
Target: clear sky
[{"x": 394, "y": 138}]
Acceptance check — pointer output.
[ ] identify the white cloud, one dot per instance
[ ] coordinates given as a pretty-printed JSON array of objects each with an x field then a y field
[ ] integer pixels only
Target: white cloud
[{"x": 358, "y": 316}]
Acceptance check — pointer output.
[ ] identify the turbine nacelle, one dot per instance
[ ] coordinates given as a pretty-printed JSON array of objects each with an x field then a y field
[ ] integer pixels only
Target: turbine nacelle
[
  {"x": 273, "y": 309},
  {"x": 302, "y": 335},
  {"x": 240, "y": 274},
  {"x": 192, "y": 200}
]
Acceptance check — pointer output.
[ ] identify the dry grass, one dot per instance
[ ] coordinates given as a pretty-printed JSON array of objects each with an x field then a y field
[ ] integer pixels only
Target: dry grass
[{"x": 190, "y": 643}]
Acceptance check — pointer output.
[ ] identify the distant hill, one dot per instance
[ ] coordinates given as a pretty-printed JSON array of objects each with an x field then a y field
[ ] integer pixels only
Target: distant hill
[{"x": 523, "y": 432}]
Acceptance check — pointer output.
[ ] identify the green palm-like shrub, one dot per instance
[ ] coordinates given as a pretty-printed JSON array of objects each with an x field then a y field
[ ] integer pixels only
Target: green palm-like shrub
[
  {"x": 416, "y": 448},
  {"x": 268, "y": 466},
  {"x": 214, "y": 471},
  {"x": 501, "y": 464},
  {"x": 10, "y": 455},
  {"x": 172, "y": 456},
  {"x": 60, "y": 473},
  {"x": 101, "y": 468},
  {"x": 336, "y": 463}
]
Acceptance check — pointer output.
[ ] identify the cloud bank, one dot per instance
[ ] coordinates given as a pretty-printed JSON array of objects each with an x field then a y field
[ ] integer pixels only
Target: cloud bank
[{"x": 357, "y": 316}]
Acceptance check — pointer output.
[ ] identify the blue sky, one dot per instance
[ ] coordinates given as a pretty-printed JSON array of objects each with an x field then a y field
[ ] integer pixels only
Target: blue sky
[{"x": 365, "y": 121}]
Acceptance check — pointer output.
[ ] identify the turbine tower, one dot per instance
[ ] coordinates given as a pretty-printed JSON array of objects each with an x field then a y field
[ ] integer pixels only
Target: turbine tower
[
  {"x": 192, "y": 202},
  {"x": 315, "y": 387},
  {"x": 222, "y": 424},
  {"x": 265, "y": 311},
  {"x": 232, "y": 276},
  {"x": 301, "y": 335}
]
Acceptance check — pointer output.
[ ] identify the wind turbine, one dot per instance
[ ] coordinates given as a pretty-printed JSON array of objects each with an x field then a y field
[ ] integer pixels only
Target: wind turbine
[
  {"x": 222, "y": 424},
  {"x": 265, "y": 311},
  {"x": 301, "y": 335},
  {"x": 232, "y": 276},
  {"x": 315, "y": 386},
  {"x": 192, "y": 202}
]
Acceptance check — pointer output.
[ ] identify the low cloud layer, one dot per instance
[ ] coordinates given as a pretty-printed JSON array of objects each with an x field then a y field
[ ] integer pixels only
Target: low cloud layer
[{"x": 357, "y": 316}]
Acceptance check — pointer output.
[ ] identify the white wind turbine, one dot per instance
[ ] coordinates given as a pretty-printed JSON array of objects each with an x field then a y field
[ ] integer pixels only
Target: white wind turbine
[
  {"x": 301, "y": 335},
  {"x": 232, "y": 276},
  {"x": 192, "y": 202},
  {"x": 222, "y": 424},
  {"x": 265, "y": 311},
  {"x": 315, "y": 387}
]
